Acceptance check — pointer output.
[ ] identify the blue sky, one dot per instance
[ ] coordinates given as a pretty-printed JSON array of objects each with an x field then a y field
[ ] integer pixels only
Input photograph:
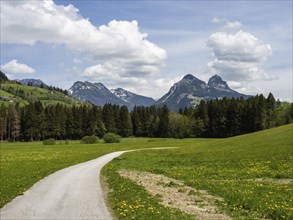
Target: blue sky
[{"x": 146, "y": 46}]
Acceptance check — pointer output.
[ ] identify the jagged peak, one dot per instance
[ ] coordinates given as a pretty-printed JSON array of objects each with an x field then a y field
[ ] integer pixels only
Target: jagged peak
[
  {"x": 216, "y": 78},
  {"x": 191, "y": 79},
  {"x": 217, "y": 82}
]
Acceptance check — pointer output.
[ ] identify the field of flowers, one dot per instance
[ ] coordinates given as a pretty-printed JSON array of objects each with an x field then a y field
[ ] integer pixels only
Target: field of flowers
[
  {"x": 23, "y": 164},
  {"x": 253, "y": 174}
]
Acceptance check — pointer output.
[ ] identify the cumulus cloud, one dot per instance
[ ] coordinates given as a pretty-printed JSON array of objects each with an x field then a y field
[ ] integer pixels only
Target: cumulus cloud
[
  {"x": 238, "y": 57},
  {"x": 117, "y": 46},
  {"x": 14, "y": 68}
]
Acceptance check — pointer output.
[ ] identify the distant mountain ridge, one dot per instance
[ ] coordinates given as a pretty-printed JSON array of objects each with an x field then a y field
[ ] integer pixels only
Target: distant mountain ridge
[
  {"x": 187, "y": 92},
  {"x": 99, "y": 95},
  {"x": 190, "y": 90},
  {"x": 96, "y": 93},
  {"x": 132, "y": 98},
  {"x": 33, "y": 82}
]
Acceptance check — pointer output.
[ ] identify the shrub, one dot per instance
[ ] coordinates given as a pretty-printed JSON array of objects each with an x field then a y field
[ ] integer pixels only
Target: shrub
[
  {"x": 89, "y": 140},
  {"x": 50, "y": 141},
  {"x": 111, "y": 138}
]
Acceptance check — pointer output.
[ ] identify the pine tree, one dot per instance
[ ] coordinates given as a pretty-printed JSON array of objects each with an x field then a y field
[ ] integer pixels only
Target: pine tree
[
  {"x": 271, "y": 111},
  {"x": 125, "y": 122},
  {"x": 108, "y": 116},
  {"x": 164, "y": 121},
  {"x": 3, "y": 121},
  {"x": 201, "y": 118},
  {"x": 233, "y": 118},
  {"x": 136, "y": 123},
  {"x": 260, "y": 113}
]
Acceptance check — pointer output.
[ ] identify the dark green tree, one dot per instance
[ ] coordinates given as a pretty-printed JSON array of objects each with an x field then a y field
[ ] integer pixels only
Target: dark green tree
[
  {"x": 125, "y": 122},
  {"x": 164, "y": 122},
  {"x": 271, "y": 111},
  {"x": 108, "y": 116}
]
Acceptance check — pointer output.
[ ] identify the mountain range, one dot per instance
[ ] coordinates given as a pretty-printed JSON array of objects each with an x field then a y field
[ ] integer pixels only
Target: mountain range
[
  {"x": 98, "y": 94},
  {"x": 188, "y": 92}
]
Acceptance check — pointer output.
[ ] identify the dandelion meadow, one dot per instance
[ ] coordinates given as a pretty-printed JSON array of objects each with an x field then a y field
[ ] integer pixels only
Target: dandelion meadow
[
  {"x": 25, "y": 163},
  {"x": 253, "y": 174}
]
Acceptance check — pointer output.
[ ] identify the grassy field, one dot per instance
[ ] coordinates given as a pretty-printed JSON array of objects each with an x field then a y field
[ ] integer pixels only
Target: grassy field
[
  {"x": 23, "y": 164},
  {"x": 252, "y": 173},
  {"x": 249, "y": 172}
]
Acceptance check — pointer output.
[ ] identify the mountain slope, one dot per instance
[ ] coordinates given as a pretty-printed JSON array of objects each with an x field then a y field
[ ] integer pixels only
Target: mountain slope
[
  {"x": 190, "y": 90},
  {"x": 3, "y": 77},
  {"x": 133, "y": 99},
  {"x": 96, "y": 93},
  {"x": 33, "y": 82}
]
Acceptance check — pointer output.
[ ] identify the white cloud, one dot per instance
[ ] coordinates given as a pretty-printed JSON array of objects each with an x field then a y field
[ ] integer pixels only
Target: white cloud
[
  {"x": 14, "y": 68},
  {"x": 238, "y": 57},
  {"x": 117, "y": 46},
  {"x": 228, "y": 24},
  {"x": 233, "y": 25}
]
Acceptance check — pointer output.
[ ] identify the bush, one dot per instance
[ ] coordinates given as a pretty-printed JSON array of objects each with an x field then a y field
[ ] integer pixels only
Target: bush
[
  {"x": 111, "y": 138},
  {"x": 89, "y": 140},
  {"x": 50, "y": 141}
]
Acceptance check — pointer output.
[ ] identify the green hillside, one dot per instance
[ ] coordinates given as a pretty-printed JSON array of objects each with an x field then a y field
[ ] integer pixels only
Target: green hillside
[
  {"x": 252, "y": 173},
  {"x": 11, "y": 92}
]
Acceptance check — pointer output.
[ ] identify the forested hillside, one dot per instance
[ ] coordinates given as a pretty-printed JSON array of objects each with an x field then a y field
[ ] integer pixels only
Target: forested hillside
[{"x": 215, "y": 118}]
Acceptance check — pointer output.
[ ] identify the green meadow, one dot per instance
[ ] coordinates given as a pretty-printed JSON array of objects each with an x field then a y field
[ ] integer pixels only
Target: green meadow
[
  {"x": 24, "y": 163},
  {"x": 252, "y": 173}
]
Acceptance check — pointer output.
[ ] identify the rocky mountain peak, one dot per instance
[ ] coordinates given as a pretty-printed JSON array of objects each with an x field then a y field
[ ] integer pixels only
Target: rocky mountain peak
[
  {"x": 190, "y": 91},
  {"x": 99, "y": 94},
  {"x": 217, "y": 82},
  {"x": 189, "y": 77}
]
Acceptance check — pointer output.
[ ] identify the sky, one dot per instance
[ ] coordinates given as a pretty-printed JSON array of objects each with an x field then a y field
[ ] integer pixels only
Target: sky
[{"x": 147, "y": 46}]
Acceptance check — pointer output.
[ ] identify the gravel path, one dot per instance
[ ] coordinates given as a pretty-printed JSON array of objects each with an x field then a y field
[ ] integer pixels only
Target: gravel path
[{"x": 71, "y": 193}]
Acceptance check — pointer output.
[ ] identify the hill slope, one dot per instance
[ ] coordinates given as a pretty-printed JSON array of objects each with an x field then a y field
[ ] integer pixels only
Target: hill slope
[{"x": 11, "y": 92}]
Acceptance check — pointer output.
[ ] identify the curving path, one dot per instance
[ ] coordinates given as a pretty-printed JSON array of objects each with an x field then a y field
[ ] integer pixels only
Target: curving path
[{"x": 71, "y": 193}]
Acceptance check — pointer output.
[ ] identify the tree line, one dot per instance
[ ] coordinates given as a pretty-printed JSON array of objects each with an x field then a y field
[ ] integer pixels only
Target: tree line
[{"x": 214, "y": 118}]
